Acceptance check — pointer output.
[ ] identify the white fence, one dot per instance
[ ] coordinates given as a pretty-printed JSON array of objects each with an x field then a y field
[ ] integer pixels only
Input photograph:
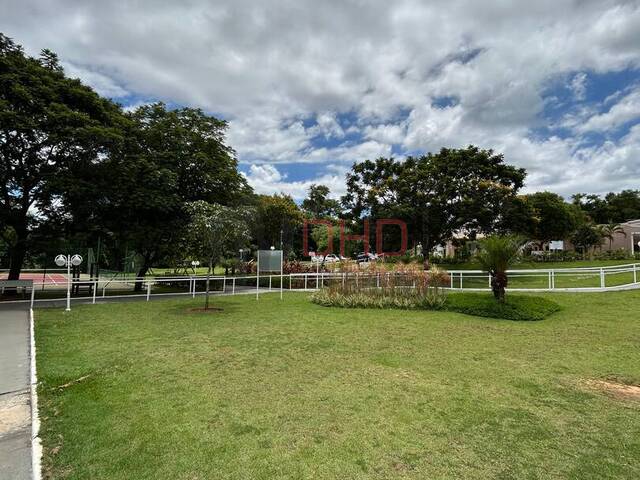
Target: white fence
[
  {"x": 592, "y": 279},
  {"x": 585, "y": 279}
]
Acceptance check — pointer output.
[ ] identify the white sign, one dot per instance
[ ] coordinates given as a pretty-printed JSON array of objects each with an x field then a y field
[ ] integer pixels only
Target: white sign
[
  {"x": 269, "y": 261},
  {"x": 556, "y": 245}
]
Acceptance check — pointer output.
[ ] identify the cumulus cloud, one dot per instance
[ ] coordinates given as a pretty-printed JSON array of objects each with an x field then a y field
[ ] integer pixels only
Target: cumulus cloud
[
  {"x": 338, "y": 81},
  {"x": 623, "y": 111},
  {"x": 267, "y": 179}
]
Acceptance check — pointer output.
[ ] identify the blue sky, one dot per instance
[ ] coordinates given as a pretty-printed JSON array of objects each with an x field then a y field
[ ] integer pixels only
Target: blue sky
[{"x": 311, "y": 87}]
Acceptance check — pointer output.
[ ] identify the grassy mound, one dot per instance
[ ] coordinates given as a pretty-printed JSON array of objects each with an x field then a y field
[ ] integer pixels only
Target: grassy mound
[{"x": 516, "y": 307}]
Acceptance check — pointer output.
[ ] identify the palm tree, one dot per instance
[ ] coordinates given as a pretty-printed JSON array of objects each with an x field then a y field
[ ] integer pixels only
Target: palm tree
[
  {"x": 496, "y": 254},
  {"x": 609, "y": 231}
]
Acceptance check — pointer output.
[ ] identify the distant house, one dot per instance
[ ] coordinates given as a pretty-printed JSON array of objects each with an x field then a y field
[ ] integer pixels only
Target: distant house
[{"x": 628, "y": 240}]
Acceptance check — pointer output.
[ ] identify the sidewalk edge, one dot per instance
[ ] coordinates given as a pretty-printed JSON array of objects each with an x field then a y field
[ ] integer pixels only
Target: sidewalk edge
[{"x": 36, "y": 445}]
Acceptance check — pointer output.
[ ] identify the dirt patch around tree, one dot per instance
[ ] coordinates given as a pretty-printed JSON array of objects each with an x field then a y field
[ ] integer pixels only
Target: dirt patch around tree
[
  {"x": 621, "y": 391},
  {"x": 204, "y": 310}
]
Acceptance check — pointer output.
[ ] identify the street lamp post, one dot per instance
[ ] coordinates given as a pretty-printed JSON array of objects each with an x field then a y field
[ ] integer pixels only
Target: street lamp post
[{"x": 67, "y": 261}]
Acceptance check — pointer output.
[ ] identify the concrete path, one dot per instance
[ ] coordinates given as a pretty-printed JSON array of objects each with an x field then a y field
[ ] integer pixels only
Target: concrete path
[{"x": 15, "y": 406}]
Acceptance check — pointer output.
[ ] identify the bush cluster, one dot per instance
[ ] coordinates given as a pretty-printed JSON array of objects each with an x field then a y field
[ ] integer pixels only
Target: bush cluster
[
  {"x": 433, "y": 299},
  {"x": 406, "y": 286}
]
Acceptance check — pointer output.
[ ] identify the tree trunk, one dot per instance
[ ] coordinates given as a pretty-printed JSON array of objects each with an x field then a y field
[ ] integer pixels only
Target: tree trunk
[
  {"x": 16, "y": 258},
  {"x": 17, "y": 254},
  {"x": 140, "y": 276},
  {"x": 206, "y": 295},
  {"x": 499, "y": 285}
]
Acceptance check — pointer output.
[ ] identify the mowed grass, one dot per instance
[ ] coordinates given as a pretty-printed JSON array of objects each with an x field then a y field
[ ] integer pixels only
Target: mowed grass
[{"x": 288, "y": 389}]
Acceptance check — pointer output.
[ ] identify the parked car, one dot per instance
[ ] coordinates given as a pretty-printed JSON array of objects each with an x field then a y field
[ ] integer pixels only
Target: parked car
[
  {"x": 330, "y": 258},
  {"x": 366, "y": 257}
]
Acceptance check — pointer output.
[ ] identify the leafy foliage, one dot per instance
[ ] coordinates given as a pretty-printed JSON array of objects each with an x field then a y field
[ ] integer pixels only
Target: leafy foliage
[
  {"x": 553, "y": 218},
  {"x": 318, "y": 204},
  {"x": 50, "y": 126},
  {"x": 613, "y": 208},
  {"x": 496, "y": 254},
  {"x": 277, "y": 218},
  {"x": 610, "y": 230},
  {"x": 586, "y": 237},
  {"x": 214, "y": 229},
  {"x": 436, "y": 194}
]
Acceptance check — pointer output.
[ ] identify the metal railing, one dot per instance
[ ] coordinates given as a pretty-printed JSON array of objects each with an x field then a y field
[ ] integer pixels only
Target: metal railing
[
  {"x": 583, "y": 279},
  {"x": 589, "y": 279}
]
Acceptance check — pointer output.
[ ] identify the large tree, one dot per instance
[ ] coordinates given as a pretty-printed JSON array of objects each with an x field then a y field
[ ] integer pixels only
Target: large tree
[
  {"x": 277, "y": 223},
  {"x": 49, "y": 125},
  {"x": 138, "y": 195},
  {"x": 318, "y": 204},
  {"x": 436, "y": 194},
  {"x": 553, "y": 218},
  {"x": 613, "y": 208},
  {"x": 586, "y": 237}
]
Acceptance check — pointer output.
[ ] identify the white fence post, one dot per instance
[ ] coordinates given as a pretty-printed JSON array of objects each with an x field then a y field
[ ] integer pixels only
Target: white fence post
[
  {"x": 269, "y": 282},
  {"x": 460, "y": 279},
  {"x": 451, "y": 278},
  {"x": 305, "y": 281},
  {"x": 95, "y": 287},
  {"x": 148, "y": 290},
  {"x": 635, "y": 273},
  {"x": 549, "y": 275},
  {"x": 193, "y": 288},
  {"x": 602, "y": 277},
  {"x": 233, "y": 286},
  {"x": 224, "y": 283},
  {"x": 553, "y": 279},
  {"x": 33, "y": 295}
]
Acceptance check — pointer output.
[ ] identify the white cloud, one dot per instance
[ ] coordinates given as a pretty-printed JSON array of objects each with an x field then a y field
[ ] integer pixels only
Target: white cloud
[
  {"x": 267, "y": 179},
  {"x": 578, "y": 85},
  {"x": 285, "y": 77},
  {"x": 624, "y": 110},
  {"x": 101, "y": 83},
  {"x": 328, "y": 125}
]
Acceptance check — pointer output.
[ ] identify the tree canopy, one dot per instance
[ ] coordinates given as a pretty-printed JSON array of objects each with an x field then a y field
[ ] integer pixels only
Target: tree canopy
[
  {"x": 435, "y": 194},
  {"x": 49, "y": 126},
  {"x": 318, "y": 204}
]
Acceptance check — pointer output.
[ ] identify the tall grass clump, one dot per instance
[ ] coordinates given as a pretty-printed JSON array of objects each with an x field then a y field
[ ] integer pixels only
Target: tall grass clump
[{"x": 406, "y": 286}]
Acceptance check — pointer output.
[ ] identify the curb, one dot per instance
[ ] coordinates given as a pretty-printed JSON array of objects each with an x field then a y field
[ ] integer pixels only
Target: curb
[{"x": 36, "y": 445}]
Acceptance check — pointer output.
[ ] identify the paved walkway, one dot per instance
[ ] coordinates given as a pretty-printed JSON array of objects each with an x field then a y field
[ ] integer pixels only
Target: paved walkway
[{"x": 15, "y": 407}]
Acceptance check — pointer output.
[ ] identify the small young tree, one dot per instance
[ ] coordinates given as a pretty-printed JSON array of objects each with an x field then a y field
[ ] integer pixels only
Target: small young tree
[
  {"x": 496, "y": 254},
  {"x": 213, "y": 230},
  {"x": 609, "y": 231}
]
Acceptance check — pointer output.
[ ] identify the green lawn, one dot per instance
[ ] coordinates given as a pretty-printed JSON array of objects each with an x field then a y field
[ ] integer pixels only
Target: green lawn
[{"x": 289, "y": 389}]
